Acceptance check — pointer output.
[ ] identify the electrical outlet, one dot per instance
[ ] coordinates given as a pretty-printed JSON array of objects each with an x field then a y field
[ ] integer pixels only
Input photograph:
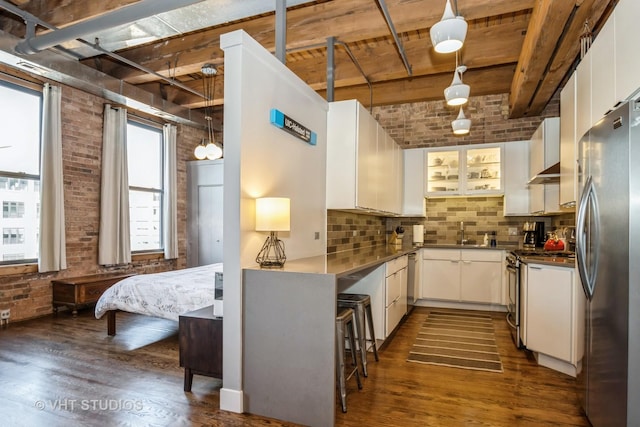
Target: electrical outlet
[
  {"x": 5, "y": 314},
  {"x": 513, "y": 231},
  {"x": 317, "y": 235},
  {"x": 355, "y": 233}
]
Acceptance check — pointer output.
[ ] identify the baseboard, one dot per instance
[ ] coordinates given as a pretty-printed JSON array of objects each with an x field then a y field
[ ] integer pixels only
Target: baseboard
[
  {"x": 460, "y": 305},
  {"x": 232, "y": 400},
  {"x": 555, "y": 364}
]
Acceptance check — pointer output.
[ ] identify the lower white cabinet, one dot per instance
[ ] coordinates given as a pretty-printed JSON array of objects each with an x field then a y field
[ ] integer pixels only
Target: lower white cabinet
[
  {"x": 463, "y": 275},
  {"x": 555, "y": 306},
  {"x": 395, "y": 292},
  {"x": 387, "y": 287}
]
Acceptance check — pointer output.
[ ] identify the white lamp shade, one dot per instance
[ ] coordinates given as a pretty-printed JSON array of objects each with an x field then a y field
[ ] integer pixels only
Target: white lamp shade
[
  {"x": 273, "y": 214},
  {"x": 448, "y": 34},
  {"x": 458, "y": 92},
  {"x": 461, "y": 125},
  {"x": 213, "y": 151},
  {"x": 200, "y": 152}
]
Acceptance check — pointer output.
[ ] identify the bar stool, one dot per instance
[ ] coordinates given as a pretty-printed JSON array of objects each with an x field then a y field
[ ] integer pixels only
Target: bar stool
[
  {"x": 361, "y": 303},
  {"x": 345, "y": 330}
]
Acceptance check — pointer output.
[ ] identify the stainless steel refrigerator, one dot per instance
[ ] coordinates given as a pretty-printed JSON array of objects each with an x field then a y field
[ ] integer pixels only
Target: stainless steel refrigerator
[{"x": 608, "y": 257}]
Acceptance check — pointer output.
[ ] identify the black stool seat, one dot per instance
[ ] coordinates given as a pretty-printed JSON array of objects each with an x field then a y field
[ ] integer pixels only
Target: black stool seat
[{"x": 361, "y": 304}]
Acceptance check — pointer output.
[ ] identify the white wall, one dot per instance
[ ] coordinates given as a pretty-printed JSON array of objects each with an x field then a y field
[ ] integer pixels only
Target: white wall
[{"x": 262, "y": 160}]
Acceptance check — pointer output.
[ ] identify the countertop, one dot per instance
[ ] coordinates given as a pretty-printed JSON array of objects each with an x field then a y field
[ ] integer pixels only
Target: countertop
[
  {"x": 555, "y": 261},
  {"x": 358, "y": 262}
]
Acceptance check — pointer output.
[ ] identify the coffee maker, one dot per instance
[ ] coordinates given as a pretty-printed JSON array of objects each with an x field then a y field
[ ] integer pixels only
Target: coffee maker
[{"x": 533, "y": 235}]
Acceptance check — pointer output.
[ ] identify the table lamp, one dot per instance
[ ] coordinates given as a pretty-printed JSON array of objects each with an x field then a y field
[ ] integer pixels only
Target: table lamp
[{"x": 272, "y": 215}]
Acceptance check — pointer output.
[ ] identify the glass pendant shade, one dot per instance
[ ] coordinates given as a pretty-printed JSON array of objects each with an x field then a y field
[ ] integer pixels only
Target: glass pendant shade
[
  {"x": 200, "y": 152},
  {"x": 461, "y": 125},
  {"x": 448, "y": 34},
  {"x": 458, "y": 92},
  {"x": 212, "y": 151}
]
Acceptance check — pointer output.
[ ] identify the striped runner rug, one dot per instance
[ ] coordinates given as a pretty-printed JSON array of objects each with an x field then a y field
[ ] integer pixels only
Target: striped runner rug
[{"x": 460, "y": 340}]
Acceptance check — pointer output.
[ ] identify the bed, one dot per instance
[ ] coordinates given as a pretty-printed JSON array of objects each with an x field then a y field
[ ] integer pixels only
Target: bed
[{"x": 167, "y": 295}]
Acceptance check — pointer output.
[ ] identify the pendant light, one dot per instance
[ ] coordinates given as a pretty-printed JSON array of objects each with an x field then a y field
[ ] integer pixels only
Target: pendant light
[
  {"x": 461, "y": 125},
  {"x": 208, "y": 148},
  {"x": 458, "y": 92},
  {"x": 447, "y": 35}
]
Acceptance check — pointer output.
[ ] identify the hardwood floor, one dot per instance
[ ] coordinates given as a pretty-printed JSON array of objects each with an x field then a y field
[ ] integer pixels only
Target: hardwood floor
[{"x": 61, "y": 370}]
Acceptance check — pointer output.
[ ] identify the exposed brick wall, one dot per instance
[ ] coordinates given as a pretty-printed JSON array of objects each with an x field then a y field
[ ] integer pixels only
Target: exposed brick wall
[
  {"x": 428, "y": 124},
  {"x": 29, "y": 295}
]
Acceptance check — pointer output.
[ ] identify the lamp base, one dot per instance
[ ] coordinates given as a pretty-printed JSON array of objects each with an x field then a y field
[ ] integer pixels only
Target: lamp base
[{"x": 272, "y": 253}]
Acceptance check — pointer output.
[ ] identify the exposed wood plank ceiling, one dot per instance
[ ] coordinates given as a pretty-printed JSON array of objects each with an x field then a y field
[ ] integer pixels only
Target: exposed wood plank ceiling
[{"x": 522, "y": 47}]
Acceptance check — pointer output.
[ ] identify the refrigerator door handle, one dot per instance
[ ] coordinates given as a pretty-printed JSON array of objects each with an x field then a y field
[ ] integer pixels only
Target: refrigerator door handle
[{"x": 588, "y": 268}]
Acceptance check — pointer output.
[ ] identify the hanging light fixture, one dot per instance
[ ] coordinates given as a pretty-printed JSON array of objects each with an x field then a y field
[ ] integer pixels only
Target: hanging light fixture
[
  {"x": 461, "y": 125},
  {"x": 208, "y": 148},
  {"x": 448, "y": 34},
  {"x": 458, "y": 92}
]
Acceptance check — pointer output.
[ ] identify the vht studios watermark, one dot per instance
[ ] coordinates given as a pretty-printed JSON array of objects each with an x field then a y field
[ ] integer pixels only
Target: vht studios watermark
[{"x": 89, "y": 405}]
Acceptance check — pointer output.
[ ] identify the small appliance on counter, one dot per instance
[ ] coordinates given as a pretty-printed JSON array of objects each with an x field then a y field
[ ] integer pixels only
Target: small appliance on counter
[{"x": 534, "y": 236}]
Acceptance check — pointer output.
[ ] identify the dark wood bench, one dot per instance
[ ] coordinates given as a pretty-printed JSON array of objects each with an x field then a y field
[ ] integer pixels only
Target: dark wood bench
[{"x": 81, "y": 291}]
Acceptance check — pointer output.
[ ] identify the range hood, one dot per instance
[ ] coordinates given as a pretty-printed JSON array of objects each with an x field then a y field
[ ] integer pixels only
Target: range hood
[{"x": 550, "y": 175}]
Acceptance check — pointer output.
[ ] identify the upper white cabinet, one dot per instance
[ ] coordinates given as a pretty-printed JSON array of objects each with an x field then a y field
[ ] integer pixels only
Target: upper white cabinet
[
  {"x": 516, "y": 176},
  {"x": 364, "y": 164},
  {"x": 583, "y": 95},
  {"x": 544, "y": 153},
  {"x": 627, "y": 60},
  {"x": 464, "y": 170},
  {"x": 568, "y": 144},
  {"x": 414, "y": 203},
  {"x": 603, "y": 80}
]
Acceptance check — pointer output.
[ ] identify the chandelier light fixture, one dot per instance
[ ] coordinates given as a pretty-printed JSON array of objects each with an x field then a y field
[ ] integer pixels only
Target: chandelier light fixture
[
  {"x": 448, "y": 34},
  {"x": 208, "y": 148},
  {"x": 461, "y": 125}
]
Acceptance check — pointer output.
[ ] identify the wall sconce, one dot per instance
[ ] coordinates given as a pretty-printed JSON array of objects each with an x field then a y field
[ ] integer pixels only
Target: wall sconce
[
  {"x": 272, "y": 215},
  {"x": 448, "y": 34},
  {"x": 461, "y": 125}
]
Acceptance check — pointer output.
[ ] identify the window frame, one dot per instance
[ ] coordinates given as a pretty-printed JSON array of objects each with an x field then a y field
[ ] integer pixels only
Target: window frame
[
  {"x": 156, "y": 127},
  {"x": 27, "y": 88}
]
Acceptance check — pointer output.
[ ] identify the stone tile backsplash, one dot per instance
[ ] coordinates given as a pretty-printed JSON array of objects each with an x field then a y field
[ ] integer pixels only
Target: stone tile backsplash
[{"x": 442, "y": 226}]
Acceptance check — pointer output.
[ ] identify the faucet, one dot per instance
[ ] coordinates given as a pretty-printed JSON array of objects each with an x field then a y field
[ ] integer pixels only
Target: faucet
[{"x": 462, "y": 239}]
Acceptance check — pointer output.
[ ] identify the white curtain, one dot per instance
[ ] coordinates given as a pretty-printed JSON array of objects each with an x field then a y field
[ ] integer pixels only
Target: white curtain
[
  {"x": 52, "y": 251},
  {"x": 170, "y": 226},
  {"x": 114, "y": 239}
]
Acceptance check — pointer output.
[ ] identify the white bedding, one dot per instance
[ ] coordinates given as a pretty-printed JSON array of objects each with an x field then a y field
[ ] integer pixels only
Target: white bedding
[{"x": 167, "y": 294}]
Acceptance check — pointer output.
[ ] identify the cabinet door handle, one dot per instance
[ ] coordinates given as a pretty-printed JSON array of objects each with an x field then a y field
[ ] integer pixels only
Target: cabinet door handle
[
  {"x": 535, "y": 268},
  {"x": 454, "y": 260},
  {"x": 467, "y": 262}
]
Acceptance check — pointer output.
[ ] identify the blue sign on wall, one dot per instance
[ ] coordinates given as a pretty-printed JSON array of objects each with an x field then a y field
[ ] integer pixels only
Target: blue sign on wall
[{"x": 286, "y": 123}]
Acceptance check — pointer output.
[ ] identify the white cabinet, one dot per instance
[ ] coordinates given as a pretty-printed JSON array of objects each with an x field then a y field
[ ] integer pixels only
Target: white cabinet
[
  {"x": 364, "y": 166},
  {"x": 603, "y": 79},
  {"x": 204, "y": 212},
  {"x": 555, "y": 306},
  {"x": 441, "y": 274},
  {"x": 568, "y": 144},
  {"x": 583, "y": 95},
  {"x": 395, "y": 292},
  {"x": 464, "y": 170},
  {"x": 481, "y": 274},
  {"x": 413, "y": 202},
  {"x": 463, "y": 275},
  {"x": 544, "y": 153},
  {"x": 627, "y": 61},
  {"x": 516, "y": 176}
]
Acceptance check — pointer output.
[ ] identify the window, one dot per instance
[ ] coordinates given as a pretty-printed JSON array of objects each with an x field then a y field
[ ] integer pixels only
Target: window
[
  {"x": 20, "y": 121},
  {"x": 145, "y": 158},
  {"x": 12, "y": 209}
]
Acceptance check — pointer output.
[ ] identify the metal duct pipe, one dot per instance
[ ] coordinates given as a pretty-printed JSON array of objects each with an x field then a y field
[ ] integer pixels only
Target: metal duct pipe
[
  {"x": 281, "y": 30},
  {"x": 392, "y": 28},
  {"x": 125, "y": 15}
]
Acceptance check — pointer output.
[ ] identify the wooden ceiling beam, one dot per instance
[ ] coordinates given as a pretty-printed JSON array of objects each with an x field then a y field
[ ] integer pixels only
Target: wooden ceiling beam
[
  {"x": 545, "y": 28},
  {"x": 306, "y": 26},
  {"x": 568, "y": 51}
]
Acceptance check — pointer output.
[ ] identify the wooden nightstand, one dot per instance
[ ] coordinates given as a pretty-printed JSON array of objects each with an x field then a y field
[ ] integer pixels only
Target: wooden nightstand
[
  {"x": 200, "y": 336},
  {"x": 75, "y": 292}
]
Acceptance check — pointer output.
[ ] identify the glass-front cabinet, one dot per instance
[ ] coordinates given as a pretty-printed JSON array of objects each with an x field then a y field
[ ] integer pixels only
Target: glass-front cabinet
[{"x": 464, "y": 170}]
